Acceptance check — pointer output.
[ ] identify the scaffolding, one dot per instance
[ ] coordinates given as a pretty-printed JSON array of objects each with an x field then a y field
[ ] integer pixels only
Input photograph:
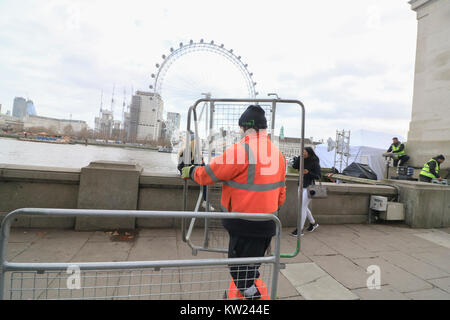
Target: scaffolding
[{"x": 342, "y": 151}]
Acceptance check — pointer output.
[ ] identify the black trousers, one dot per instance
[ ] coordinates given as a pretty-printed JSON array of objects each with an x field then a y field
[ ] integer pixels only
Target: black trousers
[
  {"x": 244, "y": 276},
  {"x": 424, "y": 178},
  {"x": 402, "y": 160}
]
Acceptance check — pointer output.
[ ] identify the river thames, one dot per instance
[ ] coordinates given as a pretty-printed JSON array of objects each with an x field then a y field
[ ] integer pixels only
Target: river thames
[{"x": 13, "y": 151}]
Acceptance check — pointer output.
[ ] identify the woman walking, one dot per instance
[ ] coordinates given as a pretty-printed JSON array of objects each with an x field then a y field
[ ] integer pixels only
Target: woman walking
[{"x": 311, "y": 172}]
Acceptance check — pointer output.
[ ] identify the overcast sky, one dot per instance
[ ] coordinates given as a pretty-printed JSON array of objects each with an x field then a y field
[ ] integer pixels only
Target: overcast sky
[{"x": 351, "y": 62}]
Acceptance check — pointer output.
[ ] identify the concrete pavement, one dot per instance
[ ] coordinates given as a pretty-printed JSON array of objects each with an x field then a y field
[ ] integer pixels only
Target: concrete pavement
[{"x": 413, "y": 263}]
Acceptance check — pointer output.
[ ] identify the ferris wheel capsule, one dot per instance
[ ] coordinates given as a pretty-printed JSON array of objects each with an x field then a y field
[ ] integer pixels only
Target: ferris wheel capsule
[{"x": 153, "y": 75}]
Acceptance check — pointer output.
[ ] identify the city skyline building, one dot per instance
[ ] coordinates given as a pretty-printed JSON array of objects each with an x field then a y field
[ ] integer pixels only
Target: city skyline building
[
  {"x": 19, "y": 107},
  {"x": 31, "y": 109},
  {"x": 171, "y": 125},
  {"x": 54, "y": 125},
  {"x": 23, "y": 107},
  {"x": 146, "y": 116},
  {"x": 174, "y": 118},
  {"x": 104, "y": 124}
]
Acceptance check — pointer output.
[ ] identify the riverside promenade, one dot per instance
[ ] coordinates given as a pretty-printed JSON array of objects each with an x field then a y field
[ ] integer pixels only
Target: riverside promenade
[{"x": 414, "y": 263}]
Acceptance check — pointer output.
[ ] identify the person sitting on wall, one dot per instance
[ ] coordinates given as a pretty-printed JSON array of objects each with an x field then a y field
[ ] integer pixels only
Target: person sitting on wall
[
  {"x": 430, "y": 169},
  {"x": 397, "y": 152}
]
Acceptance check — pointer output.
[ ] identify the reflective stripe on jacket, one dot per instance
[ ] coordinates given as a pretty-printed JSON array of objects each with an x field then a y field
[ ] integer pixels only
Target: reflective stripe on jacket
[
  {"x": 395, "y": 148},
  {"x": 426, "y": 170},
  {"x": 253, "y": 174}
]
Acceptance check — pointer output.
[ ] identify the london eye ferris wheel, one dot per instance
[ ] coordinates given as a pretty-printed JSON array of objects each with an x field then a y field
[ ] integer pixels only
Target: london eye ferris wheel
[
  {"x": 198, "y": 67},
  {"x": 201, "y": 68}
]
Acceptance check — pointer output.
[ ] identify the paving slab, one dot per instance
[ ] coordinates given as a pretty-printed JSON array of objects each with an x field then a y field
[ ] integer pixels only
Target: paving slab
[
  {"x": 346, "y": 247},
  {"x": 398, "y": 228},
  {"x": 25, "y": 235},
  {"x": 311, "y": 246},
  {"x": 438, "y": 257},
  {"x": 302, "y": 273},
  {"x": 313, "y": 283},
  {"x": 285, "y": 288},
  {"x": 398, "y": 278},
  {"x": 413, "y": 265},
  {"x": 367, "y": 230},
  {"x": 15, "y": 249},
  {"x": 298, "y": 297},
  {"x": 66, "y": 235},
  {"x": 149, "y": 248},
  {"x": 442, "y": 283},
  {"x": 336, "y": 230},
  {"x": 374, "y": 244},
  {"x": 326, "y": 288},
  {"x": 349, "y": 274},
  {"x": 432, "y": 294},
  {"x": 100, "y": 236},
  {"x": 386, "y": 292},
  {"x": 439, "y": 237},
  {"x": 159, "y": 232},
  {"x": 51, "y": 250},
  {"x": 103, "y": 252},
  {"x": 409, "y": 242}
]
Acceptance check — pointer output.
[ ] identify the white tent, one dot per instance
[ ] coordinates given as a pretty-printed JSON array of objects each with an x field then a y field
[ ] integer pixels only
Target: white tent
[{"x": 365, "y": 155}]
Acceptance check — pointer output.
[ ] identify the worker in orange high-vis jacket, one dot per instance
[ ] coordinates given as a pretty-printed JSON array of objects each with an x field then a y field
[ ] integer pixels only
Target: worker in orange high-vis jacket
[{"x": 253, "y": 175}]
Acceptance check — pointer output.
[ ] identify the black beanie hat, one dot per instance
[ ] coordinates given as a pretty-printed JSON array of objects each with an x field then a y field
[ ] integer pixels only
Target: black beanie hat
[{"x": 253, "y": 117}]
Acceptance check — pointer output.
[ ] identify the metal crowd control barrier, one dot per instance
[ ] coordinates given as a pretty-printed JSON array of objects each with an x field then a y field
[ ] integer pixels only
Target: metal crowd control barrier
[
  {"x": 208, "y": 220},
  {"x": 168, "y": 279}
]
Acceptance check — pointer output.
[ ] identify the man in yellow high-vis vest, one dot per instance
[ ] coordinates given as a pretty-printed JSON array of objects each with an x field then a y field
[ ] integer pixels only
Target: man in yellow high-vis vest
[
  {"x": 430, "y": 170},
  {"x": 398, "y": 150}
]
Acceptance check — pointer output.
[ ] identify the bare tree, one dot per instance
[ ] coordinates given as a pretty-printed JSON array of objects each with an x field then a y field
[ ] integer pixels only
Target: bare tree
[
  {"x": 68, "y": 130},
  {"x": 83, "y": 133},
  {"x": 52, "y": 131}
]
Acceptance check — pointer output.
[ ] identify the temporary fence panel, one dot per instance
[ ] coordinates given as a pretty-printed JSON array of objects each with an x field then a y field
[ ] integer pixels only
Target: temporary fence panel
[
  {"x": 168, "y": 279},
  {"x": 222, "y": 132}
]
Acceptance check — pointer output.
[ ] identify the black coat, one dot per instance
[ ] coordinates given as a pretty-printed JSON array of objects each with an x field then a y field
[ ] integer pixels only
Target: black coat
[
  {"x": 433, "y": 166},
  {"x": 313, "y": 167}
]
